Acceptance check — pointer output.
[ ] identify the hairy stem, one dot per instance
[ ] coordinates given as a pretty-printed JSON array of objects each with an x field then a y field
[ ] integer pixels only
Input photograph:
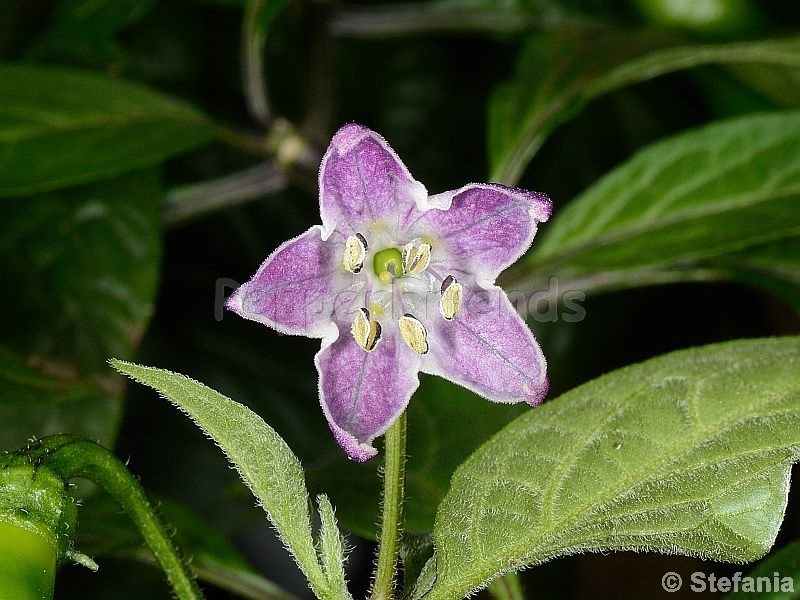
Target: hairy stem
[
  {"x": 393, "y": 482},
  {"x": 83, "y": 458}
]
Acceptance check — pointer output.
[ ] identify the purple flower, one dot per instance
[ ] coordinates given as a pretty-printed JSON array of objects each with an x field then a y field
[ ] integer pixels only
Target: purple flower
[{"x": 396, "y": 282}]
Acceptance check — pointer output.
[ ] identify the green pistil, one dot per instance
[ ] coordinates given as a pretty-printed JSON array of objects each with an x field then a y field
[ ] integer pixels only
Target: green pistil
[{"x": 388, "y": 264}]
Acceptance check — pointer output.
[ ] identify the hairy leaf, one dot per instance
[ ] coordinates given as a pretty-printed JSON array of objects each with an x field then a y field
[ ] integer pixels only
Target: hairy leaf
[
  {"x": 331, "y": 544},
  {"x": 560, "y": 73},
  {"x": 264, "y": 461},
  {"x": 61, "y": 127},
  {"x": 687, "y": 453}
]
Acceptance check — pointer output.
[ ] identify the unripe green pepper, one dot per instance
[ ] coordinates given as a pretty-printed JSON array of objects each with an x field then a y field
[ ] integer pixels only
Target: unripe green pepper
[{"x": 36, "y": 516}]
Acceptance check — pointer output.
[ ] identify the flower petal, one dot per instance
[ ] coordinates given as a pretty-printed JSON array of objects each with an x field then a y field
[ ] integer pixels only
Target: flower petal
[
  {"x": 484, "y": 227},
  {"x": 362, "y": 393},
  {"x": 362, "y": 180},
  {"x": 488, "y": 349},
  {"x": 293, "y": 289}
]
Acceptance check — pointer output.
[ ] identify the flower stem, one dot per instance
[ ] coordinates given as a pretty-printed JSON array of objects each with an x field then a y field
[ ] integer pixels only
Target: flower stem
[
  {"x": 197, "y": 200},
  {"x": 83, "y": 458},
  {"x": 242, "y": 141},
  {"x": 391, "y": 528},
  {"x": 254, "y": 82}
]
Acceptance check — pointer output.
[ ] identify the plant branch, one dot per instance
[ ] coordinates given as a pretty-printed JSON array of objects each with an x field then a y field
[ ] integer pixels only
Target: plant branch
[
  {"x": 74, "y": 457},
  {"x": 190, "y": 202},
  {"x": 243, "y": 142},
  {"x": 391, "y": 528},
  {"x": 395, "y": 20},
  {"x": 253, "y": 79}
]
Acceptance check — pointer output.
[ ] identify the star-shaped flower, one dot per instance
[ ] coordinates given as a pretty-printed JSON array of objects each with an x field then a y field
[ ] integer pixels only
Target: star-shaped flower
[{"x": 396, "y": 282}]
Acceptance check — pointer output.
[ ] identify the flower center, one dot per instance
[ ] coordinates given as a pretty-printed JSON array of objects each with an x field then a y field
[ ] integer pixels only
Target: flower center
[
  {"x": 407, "y": 271},
  {"x": 388, "y": 265}
]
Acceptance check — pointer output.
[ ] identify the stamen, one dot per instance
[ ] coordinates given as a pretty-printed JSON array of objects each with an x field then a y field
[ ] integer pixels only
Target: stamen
[
  {"x": 366, "y": 331},
  {"x": 416, "y": 257},
  {"x": 355, "y": 251},
  {"x": 452, "y": 298},
  {"x": 414, "y": 333}
]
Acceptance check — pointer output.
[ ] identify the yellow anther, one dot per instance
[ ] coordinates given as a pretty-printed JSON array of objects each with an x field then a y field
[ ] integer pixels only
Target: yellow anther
[
  {"x": 355, "y": 251},
  {"x": 416, "y": 257},
  {"x": 414, "y": 333},
  {"x": 366, "y": 331},
  {"x": 452, "y": 298}
]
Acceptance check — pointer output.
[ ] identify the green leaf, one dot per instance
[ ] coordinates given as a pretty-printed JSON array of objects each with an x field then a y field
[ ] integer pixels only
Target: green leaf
[
  {"x": 688, "y": 453},
  {"x": 62, "y": 127},
  {"x": 264, "y": 461},
  {"x": 785, "y": 562},
  {"x": 331, "y": 544},
  {"x": 35, "y": 404},
  {"x": 85, "y": 264},
  {"x": 507, "y": 587},
  {"x": 688, "y": 207},
  {"x": 558, "y": 74},
  {"x": 425, "y": 581},
  {"x": 415, "y": 552}
]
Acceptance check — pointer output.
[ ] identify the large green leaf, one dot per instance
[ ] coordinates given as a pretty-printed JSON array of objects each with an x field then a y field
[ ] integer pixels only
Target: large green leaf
[
  {"x": 84, "y": 267},
  {"x": 84, "y": 263},
  {"x": 33, "y": 404},
  {"x": 560, "y": 73},
  {"x": 685, "y": 208},
  {"x": 266, "y": 464},
  {"x": 687, "y": 453},
  {"x": 61, "y": 127}
]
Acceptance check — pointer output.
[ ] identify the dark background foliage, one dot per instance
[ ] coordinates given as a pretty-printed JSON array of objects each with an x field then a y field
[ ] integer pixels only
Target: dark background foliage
[{"x": 124, "y": 257}]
